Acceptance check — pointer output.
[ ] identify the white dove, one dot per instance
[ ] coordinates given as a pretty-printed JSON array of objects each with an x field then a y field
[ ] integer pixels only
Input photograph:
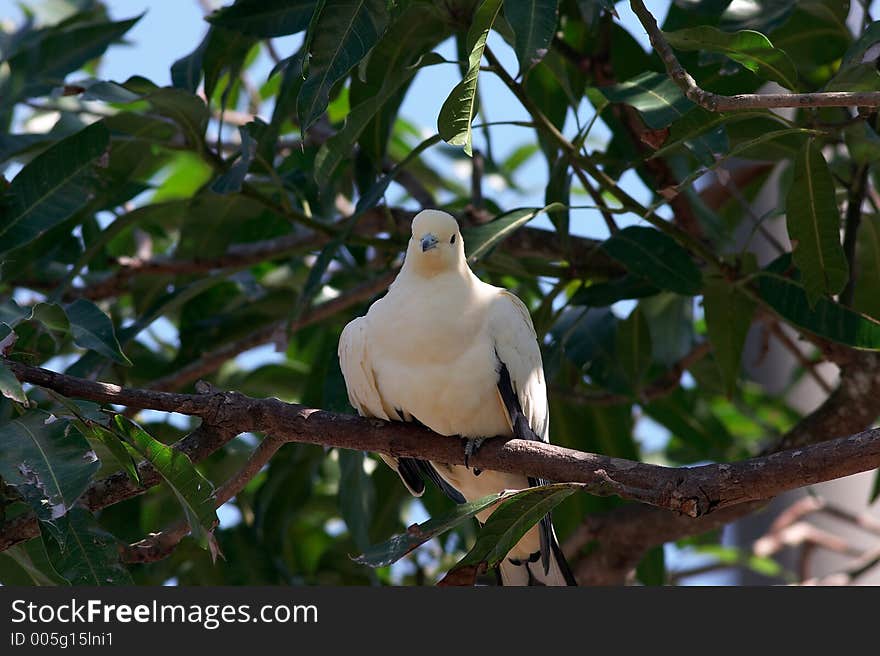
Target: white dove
[{"x": 461, "y": 357}]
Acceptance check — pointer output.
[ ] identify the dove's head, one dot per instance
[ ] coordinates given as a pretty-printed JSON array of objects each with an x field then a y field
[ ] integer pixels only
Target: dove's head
[{"x": 436, "y": 243}]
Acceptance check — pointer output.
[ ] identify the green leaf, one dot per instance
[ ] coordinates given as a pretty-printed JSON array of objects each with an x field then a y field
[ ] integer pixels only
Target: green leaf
[
  {"x": 44, "y": 62},
  {"x": 813, "y": 224},
  {"x": 728, "y": 317},
  {"x": 657, "y": 257},
  {"x": 52, "y": 187},
  {"x": 114, "y": 444},
  {"x": 651, "y": 570},
  {"x": 658, "y": 99},
  {"x": 9, "y": 385},
  {"x": 186, "y": 72},
  {"x": 233, "y": 178},
  {"x": 93, "y": 330},
  {"x": 343, "y": 35},
  {"x": 506, "y": 526},
  {"x": 533, "y": 23},
  {"x": 265, "y": 18},
  {"x": 866, "y": 298},
  {"x": 747, "y": 47},
  {"x": 194, "y": 492},
  {"x": 224, "y": 54},
  {"x": 858, "y": 53},
  {"x": 50, "y": 466},
  {"x": 604, "y": 294},
  {"x": 339, "y": 146},
  {"x": 824, "y": 317},
  {"x": 32, "y": 558},
  {"x": 454, "y": 120},
  {"x": 699, "y": 121},
  {"x": 186, "y": 110},
  {"x": 86, "y": 554},
  {"x": 480, "y": 239},
  {"x": 398, "y": 546},
  {"x": 357, "y": 496},
  {"x": 632, "y": 346}
]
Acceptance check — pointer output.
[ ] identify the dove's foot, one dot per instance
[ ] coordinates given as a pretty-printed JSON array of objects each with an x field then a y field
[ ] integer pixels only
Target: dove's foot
[{"x": 471, "y": 446}]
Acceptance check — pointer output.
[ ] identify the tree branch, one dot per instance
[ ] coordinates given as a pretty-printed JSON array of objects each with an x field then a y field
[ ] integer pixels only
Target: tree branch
[
  {"x": 692, "y": 491},
  {"x": 622, "y": 536},
  {"x": 718, "y": 103}
]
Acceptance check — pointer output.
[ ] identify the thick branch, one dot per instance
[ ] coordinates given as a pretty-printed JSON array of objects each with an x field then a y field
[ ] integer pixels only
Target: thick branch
[
  {"x": 694, "y": 491},
  {"x": 718, "y": 103},
  {"x": 623, "y": 535}
]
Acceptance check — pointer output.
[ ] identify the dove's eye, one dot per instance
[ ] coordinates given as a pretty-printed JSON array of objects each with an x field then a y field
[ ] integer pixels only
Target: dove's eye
[{"x": 452, "y": 239}]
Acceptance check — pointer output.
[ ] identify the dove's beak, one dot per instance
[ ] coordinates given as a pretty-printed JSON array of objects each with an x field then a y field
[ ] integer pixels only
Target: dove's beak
[{"x": 429, "y": 241}]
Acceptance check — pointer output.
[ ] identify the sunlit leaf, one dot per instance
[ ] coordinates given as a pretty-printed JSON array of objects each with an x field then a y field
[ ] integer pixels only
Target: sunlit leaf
[
  {"x": 194, "y": 492},
  {"x": 457, "y": 112},
  {"x": 747, "y": 47}
]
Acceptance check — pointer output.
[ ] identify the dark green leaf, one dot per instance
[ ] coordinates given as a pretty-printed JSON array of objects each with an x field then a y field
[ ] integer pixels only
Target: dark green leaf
[
  {"x": 454, "y": 121},
  {"x": 265, "y": 18},
  {"x": 86, "y": 554},
  {"x": 866, "y": 298},
  {"x": 45, "y": 62},
  {"x": 633, "y": 348},
  {"x": 357, "y": 496},
  {"x": 398, "y": 546},
  {"x": 657, "y": 257},
  {"x": 343, "y": 35},
  {"x": 480, "y": 239},
  {"x": 604, "y": 294},
  {"x": 9, "y": 385},
  {"x": 651, "y": 570},
  {"x": 231, "y": 180},
  {"x": 93, "y": 330},
  {"x": 339, "y": 146},
  {"x": 49, "y": 465},
  {"x": 508, "y": 524},
  {"x": 824, "y": 318},
  {"x": 814, "y": 225},
  {"x": 728, "y": 317},
  {"x": 533, "y": 23},
  {"x": 658, "y": 99},
  {"x": 51, "y": 188},
  {"x": 32, "y": 558}
]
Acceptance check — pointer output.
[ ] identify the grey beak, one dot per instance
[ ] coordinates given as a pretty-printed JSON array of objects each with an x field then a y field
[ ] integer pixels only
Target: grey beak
[{"x": 429, "y": 241}]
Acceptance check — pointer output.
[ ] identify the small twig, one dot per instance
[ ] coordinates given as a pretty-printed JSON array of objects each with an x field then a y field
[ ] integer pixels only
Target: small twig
[{"x": 610, "y": 223}]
